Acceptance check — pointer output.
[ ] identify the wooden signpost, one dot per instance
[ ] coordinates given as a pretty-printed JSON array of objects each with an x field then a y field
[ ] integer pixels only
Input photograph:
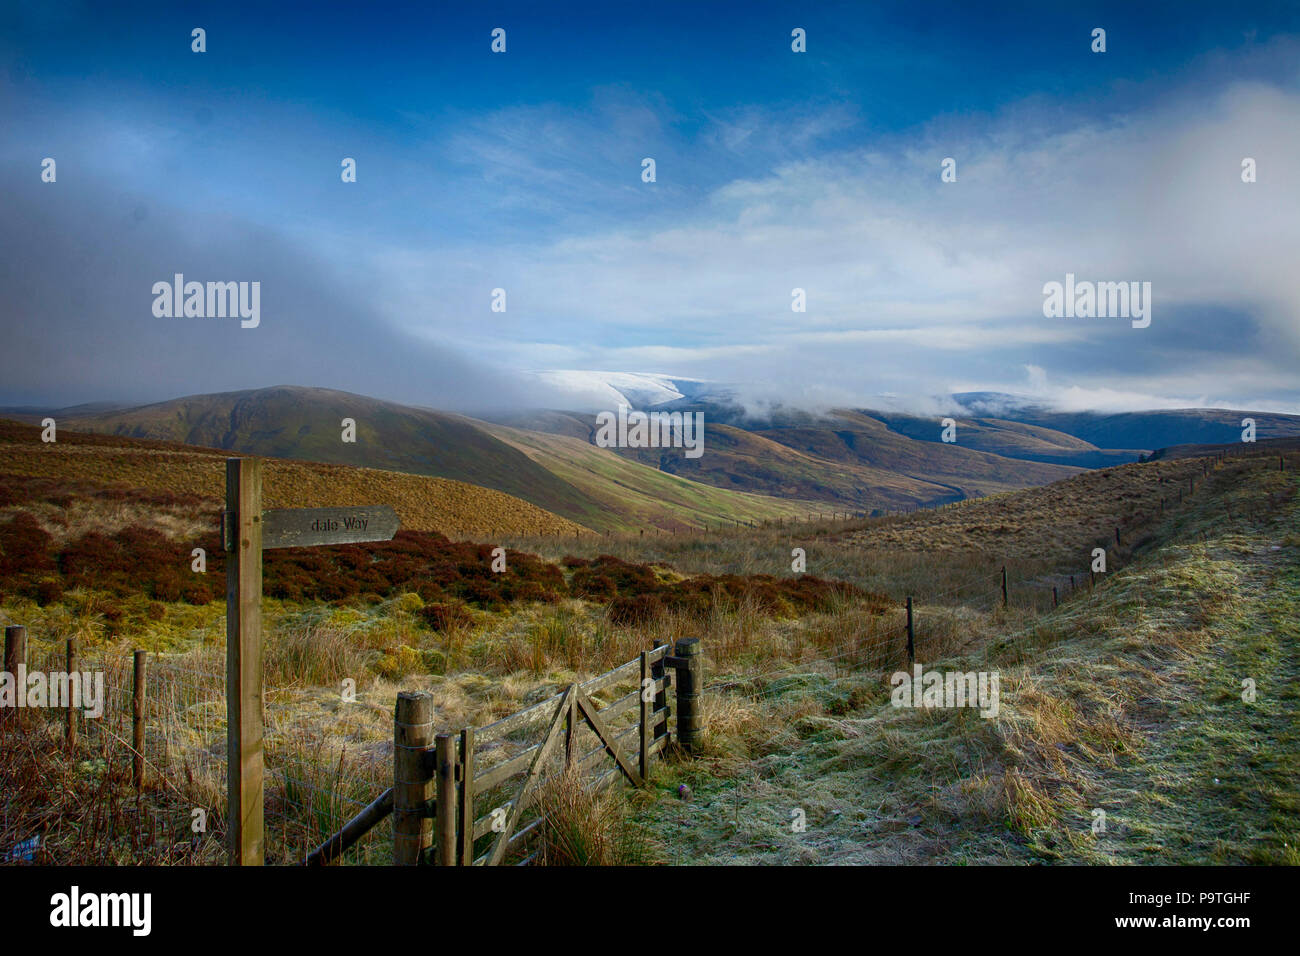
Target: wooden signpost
[{"x": 247, "y": 532}]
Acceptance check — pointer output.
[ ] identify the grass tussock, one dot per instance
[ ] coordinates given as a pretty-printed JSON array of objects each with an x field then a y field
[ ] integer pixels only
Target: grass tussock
[{"x": 588, "y": 826}]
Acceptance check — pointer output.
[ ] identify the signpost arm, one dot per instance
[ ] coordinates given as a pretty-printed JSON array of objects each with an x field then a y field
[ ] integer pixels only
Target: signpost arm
[{"x": 244, "y": 772}]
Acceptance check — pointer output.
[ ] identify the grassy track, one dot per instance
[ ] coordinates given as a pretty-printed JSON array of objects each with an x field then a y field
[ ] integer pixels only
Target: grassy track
[{"x": 1127, "y": 701}]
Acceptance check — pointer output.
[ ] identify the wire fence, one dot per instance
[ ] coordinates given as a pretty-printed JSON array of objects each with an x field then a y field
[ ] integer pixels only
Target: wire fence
[
  {"x": 313, "y": 784},
  {"x": 162, "y": 738},
  {"x": 317, "y": 779},
  {"x": 887, "y": 646}
]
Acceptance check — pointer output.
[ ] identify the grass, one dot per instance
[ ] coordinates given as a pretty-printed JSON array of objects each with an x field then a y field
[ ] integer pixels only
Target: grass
[
  {"x": 588, "y": 826},
  {"x": 197, "y": 475},
  {"x": 634, "y": 496},
  {"x": 1128, "y": 702},
  {"x": 1108, "y": 700}
]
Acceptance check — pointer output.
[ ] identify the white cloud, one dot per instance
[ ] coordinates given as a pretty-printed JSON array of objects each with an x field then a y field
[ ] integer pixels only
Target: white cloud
[{"x": 924, "y": 282}]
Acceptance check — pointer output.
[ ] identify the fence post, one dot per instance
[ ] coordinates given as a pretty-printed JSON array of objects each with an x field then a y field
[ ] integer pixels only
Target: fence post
[
  {"x": 911, "y": 635},
  {"x": 445, "y": 751},
  {"x": 569, "y": 729},
  {"x": 644, "y": 768},
  {"x": 244, "y": 757},
  {"x": 659, "y": 671},
  {"x": 71, "y": 668},
  {"x": 137, "y": 721},
  {"x": 1055, "y": 601},
  {"x": 15, "y": 657},
  {"x": 412, "y": 777},
  {"x": 15, "y": 648},
  {"x": 690, "y": 680},
  {"x": 467, "y": 796},
  {"x": 1004, "y": 585}
]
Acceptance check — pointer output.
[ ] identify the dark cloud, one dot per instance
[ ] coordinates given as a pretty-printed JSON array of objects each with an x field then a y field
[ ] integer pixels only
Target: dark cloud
[{"x": 78, "y": 260}]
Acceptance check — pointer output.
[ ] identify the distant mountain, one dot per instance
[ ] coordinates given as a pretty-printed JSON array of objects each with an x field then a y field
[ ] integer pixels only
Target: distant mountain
[
  {"x": 1144, "y": 431},
  {"x": 871, "y": 459},
  {"x": 847, "y": 457},
  {"x": 1012, "y": 439},
  {"x": 607, "y": 493},
  {"x": 294, "y": 422},
  {"x": 456, "y": 509},
  {"x": 779, "y": 463}
]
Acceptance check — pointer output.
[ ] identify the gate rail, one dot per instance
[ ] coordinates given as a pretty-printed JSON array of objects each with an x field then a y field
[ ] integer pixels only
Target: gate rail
[{"x": 438, "y": 781}]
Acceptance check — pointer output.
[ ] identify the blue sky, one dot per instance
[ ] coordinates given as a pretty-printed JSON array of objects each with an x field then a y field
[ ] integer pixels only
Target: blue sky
[{"x": 775, "y": 170}]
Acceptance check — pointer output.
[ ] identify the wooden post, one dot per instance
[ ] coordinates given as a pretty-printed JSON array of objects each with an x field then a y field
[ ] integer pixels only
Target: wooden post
[
  {"x": 15, "y": 648},
  {"x": 1117, "y": 537},
  {"x": 570, "y": 725},
  {"x": 1004, "y": 585},
  {"x": 690, "y": 681},
  {"x": 1055, "y": 601},
  {"x": 15, "y": 658},
  {"x": 244, "y": 757},
  {"x": 137, "y": 722},
  {"x": 413, "y": 785},
  {"x": 71, "y": 668},
  {"x": 646, "y": 704},
  {"x": 911, "y": 635},
  {"x": 445, "y": 755},
  {"x": 1071, "y": 583},
  {"x": 658, "y": 670},
  {"x": 467, "y": 796}
]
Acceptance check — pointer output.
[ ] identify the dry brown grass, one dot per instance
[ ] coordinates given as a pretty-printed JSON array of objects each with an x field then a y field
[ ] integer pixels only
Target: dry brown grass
[
  {"x": 453, "y": 508},
  {"x": 1043, "y": 523}
]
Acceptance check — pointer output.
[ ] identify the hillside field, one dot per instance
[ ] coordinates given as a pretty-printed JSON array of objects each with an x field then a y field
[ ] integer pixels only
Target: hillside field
[
  {"x": 1107, "y": 700},
  {"x": 198, "y": 475}
]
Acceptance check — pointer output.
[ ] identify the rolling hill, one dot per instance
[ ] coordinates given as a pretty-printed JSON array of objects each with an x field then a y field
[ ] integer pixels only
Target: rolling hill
[
  {"x": 76, "y": 462},
  {"x": 1012, "y": 439},
  {"x": 638, "y": 495},
  {"x": 849, "y": 459},
  {"x": 783, "y": 464},
  {"x": 596, "y": 489}
]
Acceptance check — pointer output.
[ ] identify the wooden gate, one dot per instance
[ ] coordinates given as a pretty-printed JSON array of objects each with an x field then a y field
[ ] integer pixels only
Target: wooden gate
[
  {"x": 628, "y": 745},
  {"x": 441, "y": 781}
]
